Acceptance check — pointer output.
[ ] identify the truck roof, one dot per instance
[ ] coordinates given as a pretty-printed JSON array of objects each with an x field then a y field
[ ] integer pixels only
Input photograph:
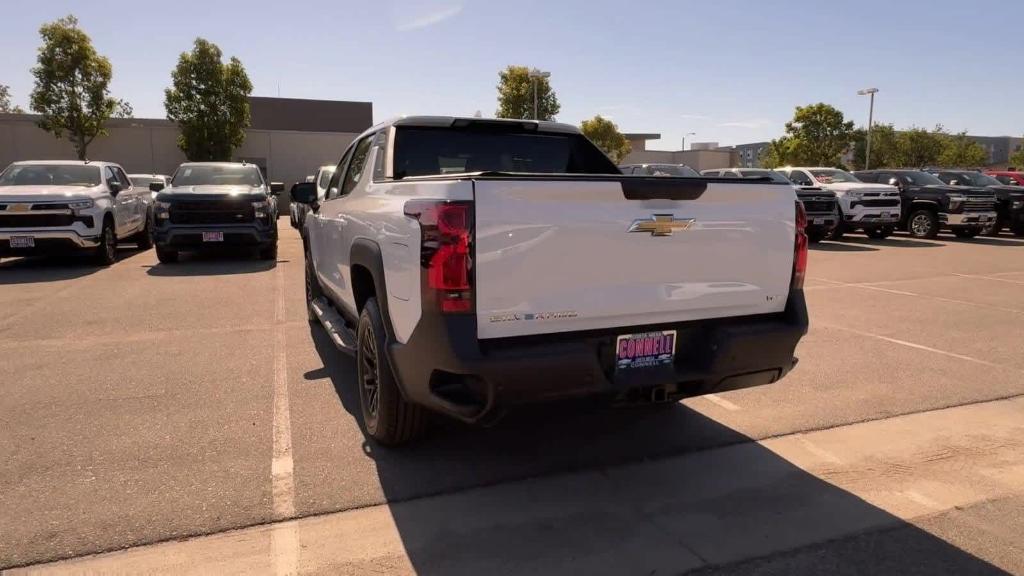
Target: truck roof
[
  {"x": 63, "y": 163},
  {"x": 449, "y": 121}
]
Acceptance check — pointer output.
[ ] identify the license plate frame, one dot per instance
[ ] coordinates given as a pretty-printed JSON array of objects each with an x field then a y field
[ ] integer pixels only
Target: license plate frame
[
  {"x": 818, "y": 221},
  {"x": 23, "y": 242},
  {"x": 886, "y": 215},
  {"x": 645, "y": 349},
  {"x": 213, "y": 236}
]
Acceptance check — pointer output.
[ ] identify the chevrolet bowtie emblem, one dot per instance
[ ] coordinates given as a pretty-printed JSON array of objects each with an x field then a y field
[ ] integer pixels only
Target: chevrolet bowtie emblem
[{"x": 660, "y": 224}]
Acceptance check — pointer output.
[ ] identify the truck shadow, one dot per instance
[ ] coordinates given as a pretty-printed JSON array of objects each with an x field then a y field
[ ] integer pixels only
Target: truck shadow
[
  {"x": 985, "y": 240},
  {"x": 893, "y": 241},
  {"x": 612, "y": 498},
  {"x": 39, "y": 269},
  {"x": 213, "y": 263},
  {"x": 839, "y": 247}
]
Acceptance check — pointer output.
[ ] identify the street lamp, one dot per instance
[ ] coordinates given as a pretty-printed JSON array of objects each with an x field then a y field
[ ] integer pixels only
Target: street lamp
[
  {"x": 535, "y": 75},
  {"x": 871, "y": 114},
  {"x": 683, "y": 143}
]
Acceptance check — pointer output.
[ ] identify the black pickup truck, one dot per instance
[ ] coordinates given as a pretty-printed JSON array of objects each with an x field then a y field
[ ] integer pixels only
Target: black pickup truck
[
  {"x": 1009, "y": 199},
  {"x": 214, "y": 204},
  {"x": 929, "y": 204}
]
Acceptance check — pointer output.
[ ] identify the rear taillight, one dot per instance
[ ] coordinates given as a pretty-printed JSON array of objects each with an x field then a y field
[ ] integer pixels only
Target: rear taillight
[
  {"x": 799, "y": 248},
  {"x": 446, "y": 229}
]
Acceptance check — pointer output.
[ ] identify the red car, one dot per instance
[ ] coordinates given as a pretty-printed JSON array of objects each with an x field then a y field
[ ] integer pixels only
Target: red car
[{"x": 1007, "y": 177}]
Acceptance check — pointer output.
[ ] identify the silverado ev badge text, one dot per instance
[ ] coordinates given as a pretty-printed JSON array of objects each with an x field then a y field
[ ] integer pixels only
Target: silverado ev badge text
[{"x": 660, "y": 224}]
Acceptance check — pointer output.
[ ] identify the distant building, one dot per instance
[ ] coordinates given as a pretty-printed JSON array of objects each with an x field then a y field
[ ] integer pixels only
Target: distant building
[
  {"x": 698, "y": 159},
  {"x": 748, "y": 155}
]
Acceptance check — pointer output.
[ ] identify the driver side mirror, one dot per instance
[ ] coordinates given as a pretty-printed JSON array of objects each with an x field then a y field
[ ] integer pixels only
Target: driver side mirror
[
  {"x": 156, "y": 186},
  {"x": 304, "y": 193},
  {"x": 894, "y": 182},
  {"x": 115, "y": 188},
  {"x": 276, "y": 188},
  {"x": 954, "y": 182}
]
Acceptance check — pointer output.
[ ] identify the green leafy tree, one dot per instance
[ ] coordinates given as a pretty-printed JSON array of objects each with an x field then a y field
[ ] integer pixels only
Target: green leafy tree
[
  {"x": 778, "y": 152},
  {"x": 820, "y": 135},
  {"x": 71, "y": 92},
  {"x": 5, "y": 101},
  {"x": 209, "y": 101},
  {"x": 920, "y": 147},
  {"x": 884, "y": 147},
  {"x": 961, "y": 151},
  {"x": 515, "y": 95},
  {"x": 605, "y": 134},
  {"x": 1017, "y": 158}
]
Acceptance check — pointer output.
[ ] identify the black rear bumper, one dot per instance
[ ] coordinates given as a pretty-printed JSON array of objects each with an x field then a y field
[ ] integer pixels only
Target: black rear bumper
[{"x": 444, "y": 367}]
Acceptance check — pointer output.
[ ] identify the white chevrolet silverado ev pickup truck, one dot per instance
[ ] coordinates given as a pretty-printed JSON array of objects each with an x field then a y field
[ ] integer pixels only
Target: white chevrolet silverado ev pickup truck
[
  {"x": 49, "y": 206},
  {"x": 471, "y": 265}
]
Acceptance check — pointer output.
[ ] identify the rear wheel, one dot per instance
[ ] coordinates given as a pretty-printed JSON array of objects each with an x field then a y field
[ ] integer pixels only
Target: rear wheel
[
  {"x": 166, "y": 255},
  {"x": 387, "y": 417},
  {"x": 144, "y": 239},
  {"x": 923, "y": 224},
  {"x": 966, "y": 232},
  {"x": 106, "y": 252}
]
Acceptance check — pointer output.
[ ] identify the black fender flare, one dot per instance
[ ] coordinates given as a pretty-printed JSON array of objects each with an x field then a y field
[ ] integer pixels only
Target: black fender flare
[
  {"x": 919, "y": 204},
  {"x": 367, "y": 253}
]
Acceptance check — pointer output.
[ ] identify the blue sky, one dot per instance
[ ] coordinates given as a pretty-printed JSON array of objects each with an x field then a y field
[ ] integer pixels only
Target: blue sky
[{"x": 729, "y": 71}]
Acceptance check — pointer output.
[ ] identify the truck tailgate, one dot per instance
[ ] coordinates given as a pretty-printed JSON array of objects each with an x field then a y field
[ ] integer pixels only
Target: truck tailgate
[{"x": 556, "y": 255}]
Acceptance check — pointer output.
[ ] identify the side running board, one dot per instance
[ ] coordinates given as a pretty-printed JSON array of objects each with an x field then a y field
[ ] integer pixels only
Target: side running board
[{"x": 343, "y": 338}]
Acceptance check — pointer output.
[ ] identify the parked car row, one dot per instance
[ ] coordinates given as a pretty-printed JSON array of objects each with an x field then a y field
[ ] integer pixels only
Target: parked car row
[{"x": 59, "y": 206}]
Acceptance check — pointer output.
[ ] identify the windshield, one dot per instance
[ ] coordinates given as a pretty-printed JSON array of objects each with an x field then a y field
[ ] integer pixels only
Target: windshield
[
  {"x": 775, "y": 176},
  {"x": 920, "y": 179},
  {"x": 143, "y": 181},
  {"x": 969, "y": 179},
  {"x": 325, "y": 177},
  {"x": 672, "y": 170},
  {"x": 833, "y": 176},
  {"x": 421, "y": 151},
  {"x": 50, "y": 175},
  {"x": 216, "y": 175}
]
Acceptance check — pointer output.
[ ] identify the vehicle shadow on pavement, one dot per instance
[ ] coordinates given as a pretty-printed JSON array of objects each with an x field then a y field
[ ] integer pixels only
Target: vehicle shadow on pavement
[
  {"x": 840, "y": 247},
  {"x": 986, "y": 240},
  {"x": 37, "y": 269},
  {"x": 893, "y": 241},
  {"x": 632, "y": 504},
  {"x": 215, "y": 263}
]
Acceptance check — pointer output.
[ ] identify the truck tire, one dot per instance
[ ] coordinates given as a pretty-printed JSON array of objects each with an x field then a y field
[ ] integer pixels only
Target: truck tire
[
  {"x": 1018, "y": 230},
  {"x": 816, "y": 235},
  {"x": 106, "y": 252},
  {"x": 313, "y": 289},
  {"x": 994, "y": 228},
  {"x": 166, "y": 255},
  {"x": 966, "y": 232},
  {"x": 387, "y": 417},
  {"x": 839, "y": 230},
  {"x": 269, "y": 253},
  {"x": 144, "y": 239},
  {"x": 923, "y": 224},
  {"x": 880, "y": 233}
]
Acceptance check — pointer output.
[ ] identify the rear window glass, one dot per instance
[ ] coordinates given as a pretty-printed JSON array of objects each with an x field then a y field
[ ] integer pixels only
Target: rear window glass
[{"x": 433, "y": 151}]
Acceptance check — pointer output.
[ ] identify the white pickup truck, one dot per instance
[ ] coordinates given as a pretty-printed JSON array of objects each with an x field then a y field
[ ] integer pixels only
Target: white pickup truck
[
  {"x": 471, "y": 265},
  {"x": 51, "y": 206},
  {"x": 874, "y": 208}
]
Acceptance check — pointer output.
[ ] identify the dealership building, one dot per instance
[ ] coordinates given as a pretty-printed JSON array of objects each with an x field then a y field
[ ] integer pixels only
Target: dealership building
[{"x": 288, "y": 138}]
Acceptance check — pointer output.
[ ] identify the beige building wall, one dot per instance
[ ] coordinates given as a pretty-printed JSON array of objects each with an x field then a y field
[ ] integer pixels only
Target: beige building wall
[
  {"x": 696, "y": 159},
  {"x": 150, "y": 146}
]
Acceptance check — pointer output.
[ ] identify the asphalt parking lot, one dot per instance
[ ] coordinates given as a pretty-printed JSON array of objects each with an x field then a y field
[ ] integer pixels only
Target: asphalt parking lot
[{"x": 146, "y": 403}]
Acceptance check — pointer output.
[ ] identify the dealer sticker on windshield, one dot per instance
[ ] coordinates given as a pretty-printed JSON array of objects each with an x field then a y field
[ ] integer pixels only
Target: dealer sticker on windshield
[{"x": 645, "y": 350}]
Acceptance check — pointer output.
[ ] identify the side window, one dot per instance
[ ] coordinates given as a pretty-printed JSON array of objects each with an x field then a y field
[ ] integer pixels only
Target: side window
[
  {"x": 125, "y": 180},
  {"x": 868, "y": 177},
  {"x": 354, "y": 171},
  {"x": 335, "y": 184},
  {"x": 884, "y": 177},
  {"x": 380, "y": 147},
  {"x": 109, "y": 176},
  {"x": 800, "y": 178},
  {"x": 1005, "y": 179}
]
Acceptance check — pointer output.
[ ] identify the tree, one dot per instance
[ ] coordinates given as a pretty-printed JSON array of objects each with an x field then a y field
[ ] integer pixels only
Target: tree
[
  {"x": 71, "y": 91},
  {"x": 777, "y": 153},
  {"x": 820, "y": 135},
  {"x": 1017, "y": 158},
  {"x": 961, "y": 151},
  {"x": 5, "y": 101},
  {"x": 209, "y": 100},
  {"x": 605, "y": 134},
  {"x": 918, "y": 147},
  {"x": 884, "y": 148},
  {"x": 515, "y": 95}
]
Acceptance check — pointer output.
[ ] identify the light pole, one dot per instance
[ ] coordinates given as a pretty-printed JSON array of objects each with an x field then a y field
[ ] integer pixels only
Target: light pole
[
  {"x": 683, "y": 143},
  {"x": 871, "y": 118},
  {"x": 535, "y": 75}
]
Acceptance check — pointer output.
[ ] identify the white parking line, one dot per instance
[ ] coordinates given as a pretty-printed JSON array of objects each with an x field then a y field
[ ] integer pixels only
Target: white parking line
[
  {"x": 915, "y": 346},
  {"x": 874, "y": 286},
  {"x": 990, "y": 278},
  {"x": 817, "y": 450},
  {"x": 284, "y": 538},
  {"x": 722, "y": 402}
]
